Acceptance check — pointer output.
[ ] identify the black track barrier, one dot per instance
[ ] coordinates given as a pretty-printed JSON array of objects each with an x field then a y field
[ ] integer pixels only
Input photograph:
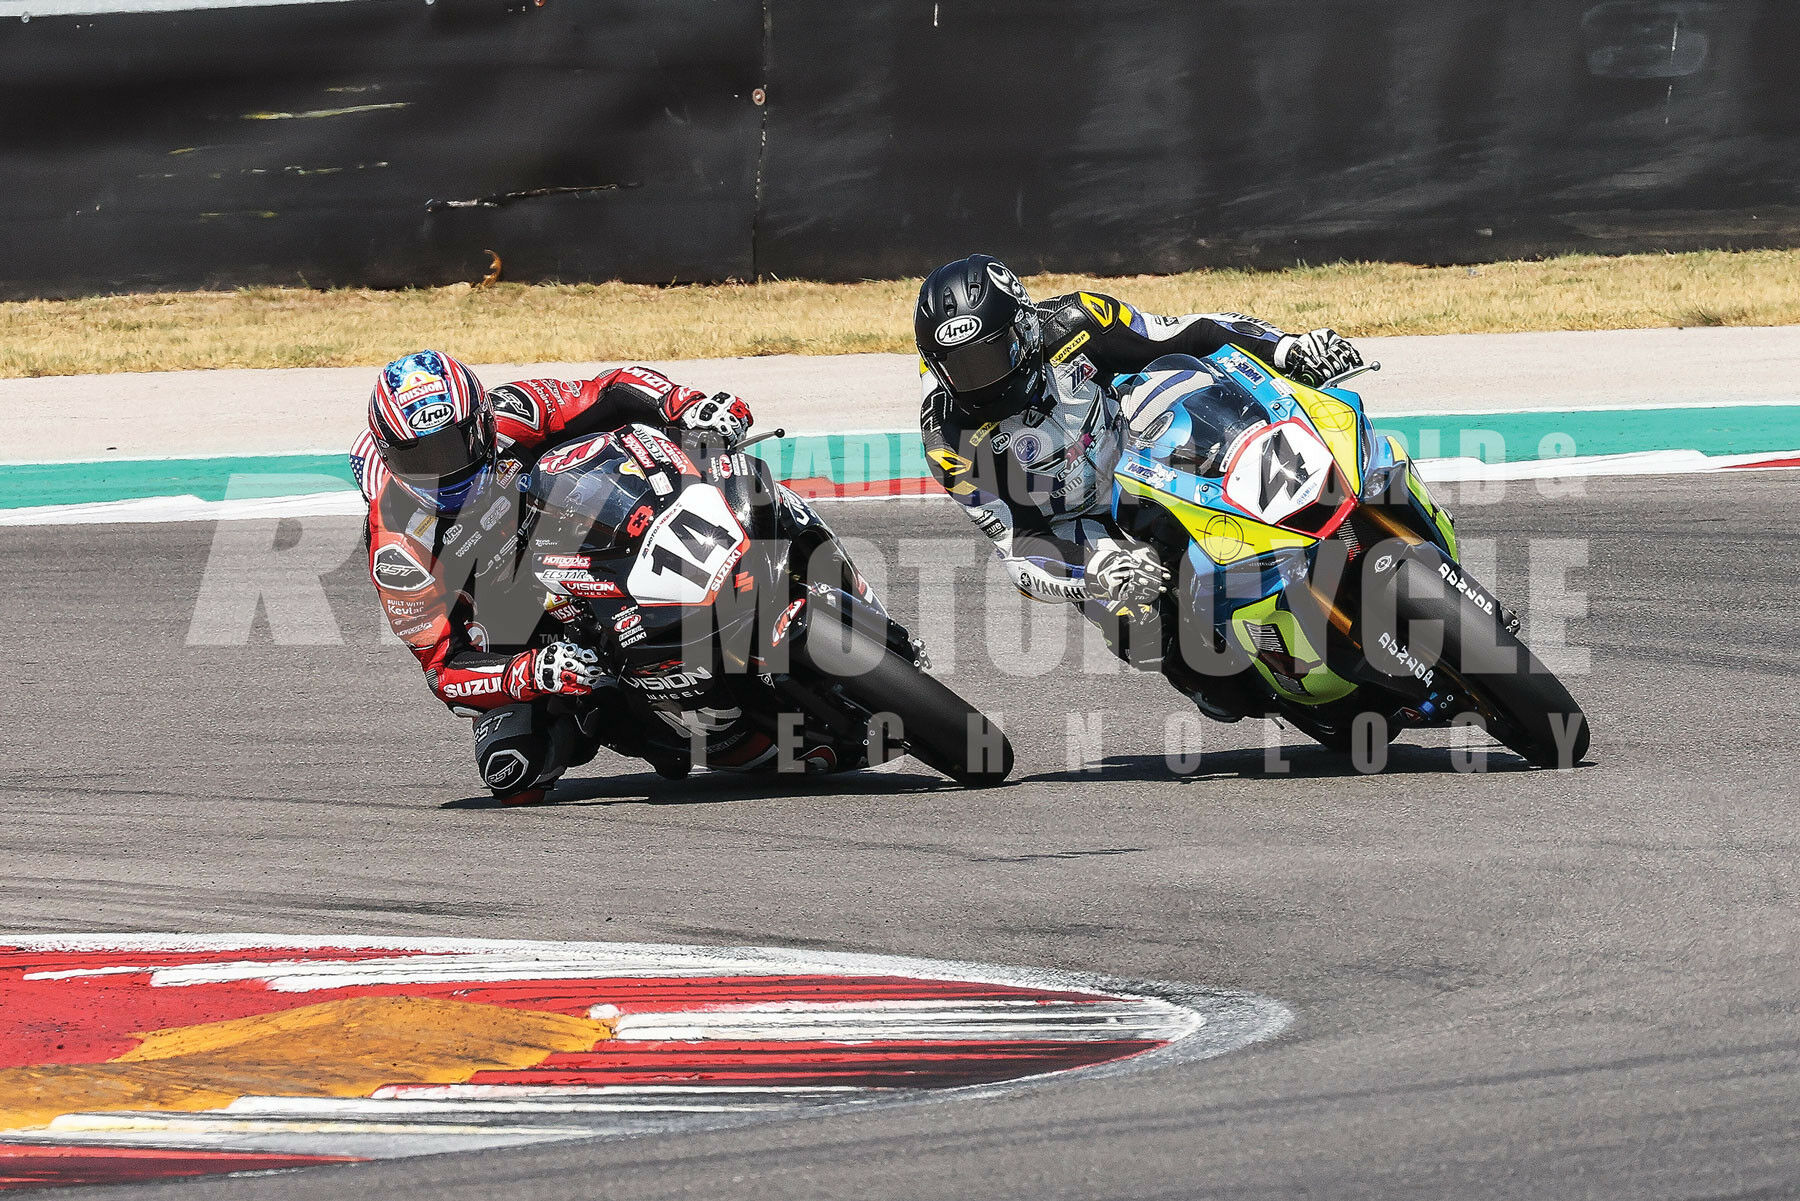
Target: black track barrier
[{"x": 392, "y": 142}]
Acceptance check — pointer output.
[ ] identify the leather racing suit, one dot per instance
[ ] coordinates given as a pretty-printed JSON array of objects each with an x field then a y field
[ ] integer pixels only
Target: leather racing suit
[
  {"x": 430, "y": 569},
  {"x": 1039, "y": 483}
]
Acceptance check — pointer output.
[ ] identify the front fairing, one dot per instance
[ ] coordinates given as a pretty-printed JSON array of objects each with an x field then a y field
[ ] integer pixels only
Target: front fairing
[
  {"x": 1238, "y": 473},
  {"x": 1218, "y": 493}
]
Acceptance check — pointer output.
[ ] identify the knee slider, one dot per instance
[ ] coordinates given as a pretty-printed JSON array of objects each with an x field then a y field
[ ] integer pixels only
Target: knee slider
[{"x": 513, "y": 750}]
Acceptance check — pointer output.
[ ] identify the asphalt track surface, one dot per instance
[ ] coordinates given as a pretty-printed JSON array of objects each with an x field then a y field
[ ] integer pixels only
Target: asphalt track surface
[{"x": 1508, "y": 984}]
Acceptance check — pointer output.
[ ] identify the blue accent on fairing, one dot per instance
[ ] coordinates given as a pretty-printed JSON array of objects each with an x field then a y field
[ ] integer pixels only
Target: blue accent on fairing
[
  {"x": 1248, "y": 580},
  {"x": 1242, "y": 583}
]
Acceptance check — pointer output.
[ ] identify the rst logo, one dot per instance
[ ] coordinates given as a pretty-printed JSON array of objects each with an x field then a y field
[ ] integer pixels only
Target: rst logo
[
  {"x": 398, "y": 571},
  {"x": 510, "y": 400}
]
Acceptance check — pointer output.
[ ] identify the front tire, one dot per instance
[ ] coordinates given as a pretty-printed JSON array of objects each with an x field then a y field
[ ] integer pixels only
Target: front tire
[
  {"x": 937, "y": 726},
  {"x": 1526, "y": 706}
]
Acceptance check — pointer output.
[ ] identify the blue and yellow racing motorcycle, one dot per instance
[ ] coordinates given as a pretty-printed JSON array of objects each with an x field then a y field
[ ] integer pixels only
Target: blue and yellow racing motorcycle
[{"x": 1318, "y": 580}]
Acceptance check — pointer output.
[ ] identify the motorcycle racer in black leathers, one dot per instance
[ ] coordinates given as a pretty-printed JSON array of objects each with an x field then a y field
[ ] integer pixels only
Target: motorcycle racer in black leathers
[{"x": 1022, "y": 426}]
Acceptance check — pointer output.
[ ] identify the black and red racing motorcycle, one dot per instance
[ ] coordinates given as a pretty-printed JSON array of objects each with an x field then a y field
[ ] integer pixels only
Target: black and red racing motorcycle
[{"x": 740, "y": 634}]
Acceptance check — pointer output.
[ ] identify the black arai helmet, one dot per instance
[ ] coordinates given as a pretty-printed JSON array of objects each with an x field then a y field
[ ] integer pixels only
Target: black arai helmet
[{"x": 979, "y": 333}]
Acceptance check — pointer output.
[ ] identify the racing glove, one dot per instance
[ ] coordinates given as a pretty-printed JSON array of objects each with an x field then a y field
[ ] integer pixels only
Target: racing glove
[
  {"x": 560, "y": 669},
  {"x": 721, "y": 415},
  {"x": 1125, "y": 574},
  {"x": 1315, "y": 357}
]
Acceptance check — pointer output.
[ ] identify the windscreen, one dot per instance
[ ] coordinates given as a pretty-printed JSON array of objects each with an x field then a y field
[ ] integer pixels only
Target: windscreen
[
  {"x": 1220, "y": 413},
  {"x": 593, "y": 503}
]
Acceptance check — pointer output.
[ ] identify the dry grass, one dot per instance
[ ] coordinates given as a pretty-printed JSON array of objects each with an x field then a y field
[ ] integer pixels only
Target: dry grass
[{"x": 282, "y": 327}]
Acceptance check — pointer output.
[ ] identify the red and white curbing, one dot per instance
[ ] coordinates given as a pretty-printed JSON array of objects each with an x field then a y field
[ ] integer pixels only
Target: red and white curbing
[{"x": 693, "y": 1037}]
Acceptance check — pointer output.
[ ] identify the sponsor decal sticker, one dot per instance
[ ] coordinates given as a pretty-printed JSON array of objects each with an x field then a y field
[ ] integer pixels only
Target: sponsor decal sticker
[
  {"x": 1154, "y": 474},
  {"x": 797, "y": 508},
  {"x": 785, "y": 621},
  {"x": 1067, "y": 351},
  {"x": 1251, "y": 373},
  {"x": 593, "y": 589},
  {"x": 675, "y": 684},
  {"x": 499, "y": 509},
  {"x": 430, "y": 417},
  {"x": 958, "y": 330},
  {"x": 421, "y": 387},
  {"x": 569, "y": 457},
  {"x": 640, "y": 518},
  {"x": 510, "y": 400},
  {"x": 629, "y": 628}
]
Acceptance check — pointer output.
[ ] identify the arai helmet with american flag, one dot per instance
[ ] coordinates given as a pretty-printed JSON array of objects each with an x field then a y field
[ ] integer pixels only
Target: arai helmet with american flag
[{"x": 431, "y": 422}]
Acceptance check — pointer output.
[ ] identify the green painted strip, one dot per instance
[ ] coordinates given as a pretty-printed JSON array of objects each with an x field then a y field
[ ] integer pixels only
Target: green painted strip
[
  {"x": 873, "y": 458},
  {"x": 1520, "y": 437},
  {"x": 845, "y": 458},
  {"x": 129, "y": 479}
]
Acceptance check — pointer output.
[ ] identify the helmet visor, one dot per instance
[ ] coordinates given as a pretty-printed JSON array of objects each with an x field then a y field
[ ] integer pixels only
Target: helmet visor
[
  {"x": 981, "y": 364},
  {"x": 446, "y": 456}
]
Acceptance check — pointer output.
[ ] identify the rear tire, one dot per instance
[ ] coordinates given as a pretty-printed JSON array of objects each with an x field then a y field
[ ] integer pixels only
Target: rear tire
[
  {"x": 1527, "y": 706},
  {"x": 938, "y": 727}
]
